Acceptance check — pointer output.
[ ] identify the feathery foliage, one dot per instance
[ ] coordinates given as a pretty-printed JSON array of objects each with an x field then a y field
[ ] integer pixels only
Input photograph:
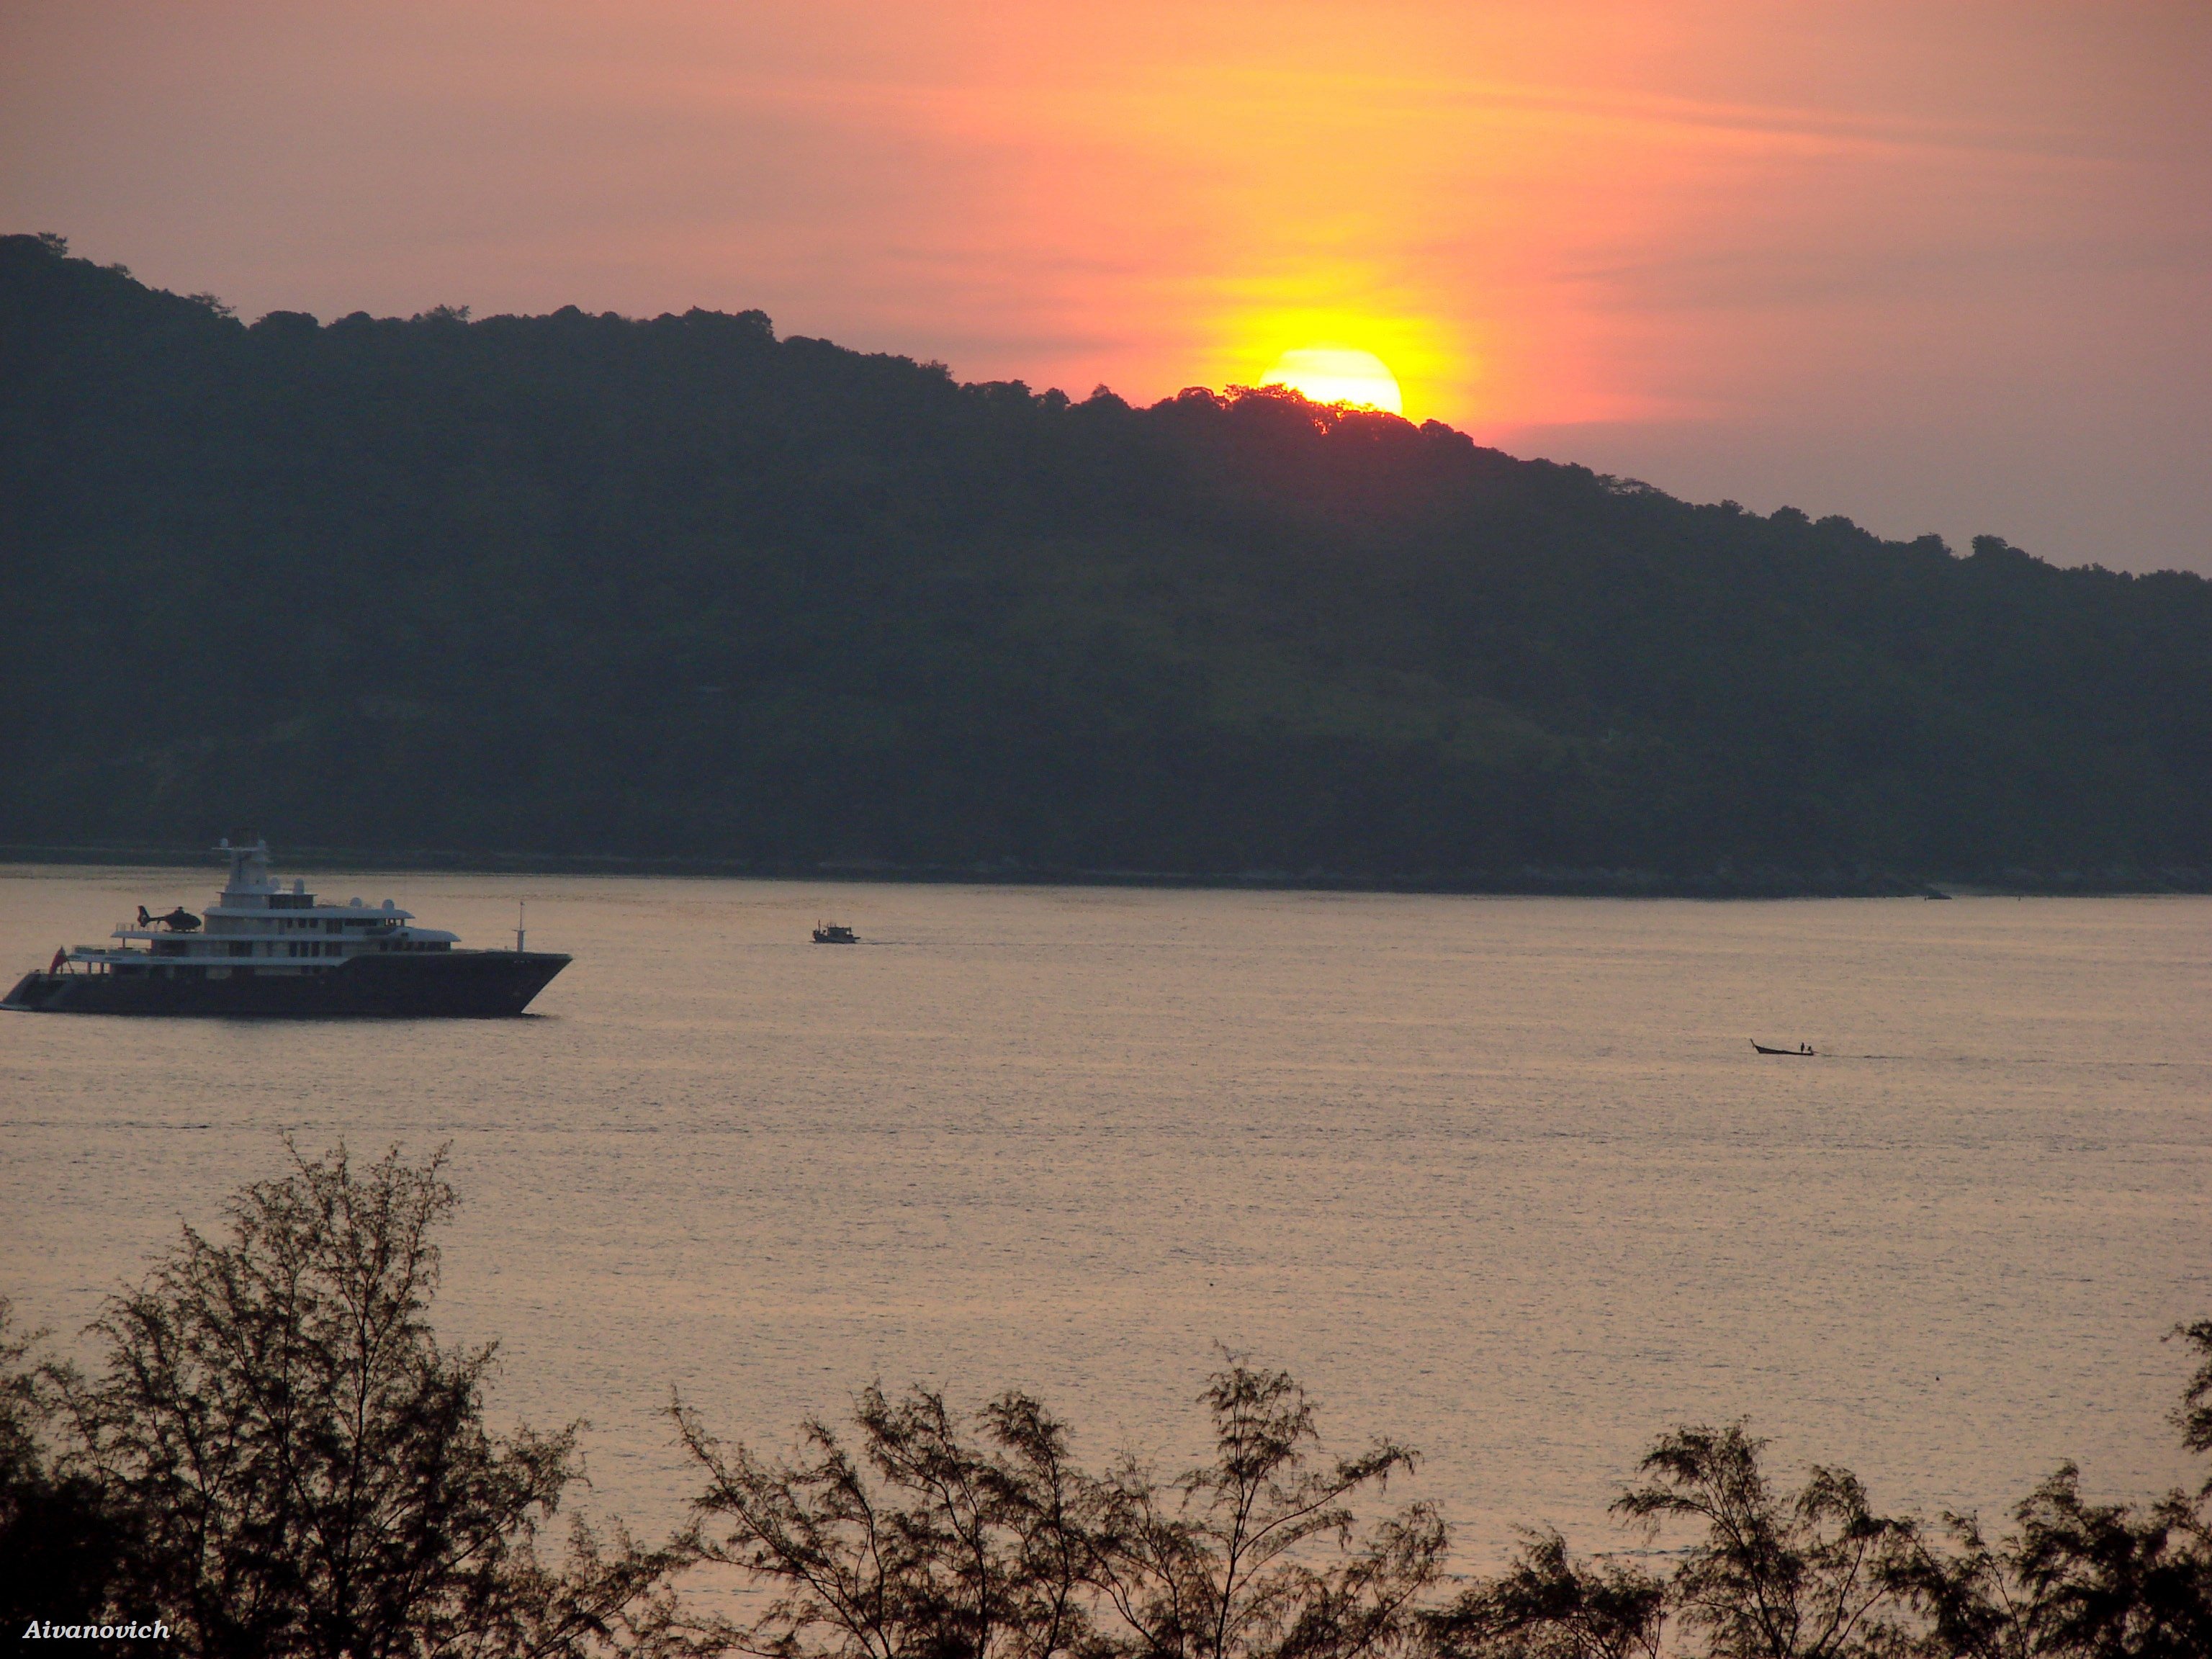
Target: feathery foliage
[
  {"x": 943, "y": 1541},
  {"x": 308, "y": 1470}
]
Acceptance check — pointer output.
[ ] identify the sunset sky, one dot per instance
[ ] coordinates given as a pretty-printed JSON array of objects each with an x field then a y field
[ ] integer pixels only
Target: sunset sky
[{"x": 1937, "y": 266}]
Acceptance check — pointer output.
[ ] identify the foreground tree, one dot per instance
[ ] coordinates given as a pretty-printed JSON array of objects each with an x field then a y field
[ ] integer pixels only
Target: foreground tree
[
  {"x": 937, "y": 1539},
  {"x": 1818, "y": 1575},
  {"x": 1802, "y": 1577},
  {"x": 59, "y": 1537},
  {"x": 1550, "y": 1605},
  {"x": 2077, "y": 1579},
  {"x": 1258, "y": 1554},
  {"x": 308, "y": 1471},
  {"x": 1763, "y": 1575}
]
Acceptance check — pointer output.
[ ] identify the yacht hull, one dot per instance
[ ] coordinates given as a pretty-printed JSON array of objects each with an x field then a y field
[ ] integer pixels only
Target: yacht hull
[{"x": 455, "y": 984}]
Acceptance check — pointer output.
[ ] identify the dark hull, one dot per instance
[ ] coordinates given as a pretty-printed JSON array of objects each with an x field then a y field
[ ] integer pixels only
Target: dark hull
[{"x": 457, "y": 984}]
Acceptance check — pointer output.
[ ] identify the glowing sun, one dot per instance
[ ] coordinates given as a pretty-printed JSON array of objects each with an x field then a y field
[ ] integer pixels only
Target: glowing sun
[{"x": 1337, "y": 375}]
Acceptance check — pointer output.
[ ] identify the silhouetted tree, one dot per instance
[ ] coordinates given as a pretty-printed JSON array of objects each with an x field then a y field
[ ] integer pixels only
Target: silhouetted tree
[
  {"x": 60, "y": 1539},
  {"x": 2077, "y": 1579},
  {"x": 2193, "y": 1416},
  {"x": 1258, "y": 1554},
  {"x": 1972, "y": 1602},
  {"x": 1549, "y": 1604},
  {"x": 309, "y": 1471},
  {"x": 1767, "y": 1576},
  {"x": 936, "y": 1539}
]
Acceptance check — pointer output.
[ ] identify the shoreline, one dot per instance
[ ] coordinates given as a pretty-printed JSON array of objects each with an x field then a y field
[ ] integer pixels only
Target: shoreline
[{"x": 1526, "y": 881}]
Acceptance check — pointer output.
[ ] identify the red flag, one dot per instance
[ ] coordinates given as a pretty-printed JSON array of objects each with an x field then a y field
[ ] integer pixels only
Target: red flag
[{"x": 61, "y": 956}]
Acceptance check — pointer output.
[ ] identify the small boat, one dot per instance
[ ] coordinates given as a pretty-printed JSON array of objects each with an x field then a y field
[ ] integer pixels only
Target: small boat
[
  {"x": 831, "y": 932},
  {"x": 1800, "y": 1052}
]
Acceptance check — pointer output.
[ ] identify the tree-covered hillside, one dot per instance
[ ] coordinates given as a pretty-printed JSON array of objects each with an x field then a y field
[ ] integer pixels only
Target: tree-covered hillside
[{"x": 576, "y": 584}]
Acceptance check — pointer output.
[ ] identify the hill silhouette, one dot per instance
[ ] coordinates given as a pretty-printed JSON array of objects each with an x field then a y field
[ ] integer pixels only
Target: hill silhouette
[{"x": 573, "y": 585}]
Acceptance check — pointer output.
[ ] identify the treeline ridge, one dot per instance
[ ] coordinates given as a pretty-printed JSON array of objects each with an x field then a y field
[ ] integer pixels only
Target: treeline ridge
[{"x": 572, "y": 586}]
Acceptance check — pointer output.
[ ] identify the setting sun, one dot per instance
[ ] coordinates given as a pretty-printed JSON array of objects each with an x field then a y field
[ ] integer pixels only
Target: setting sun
[{"x": 1337, "y": 374}]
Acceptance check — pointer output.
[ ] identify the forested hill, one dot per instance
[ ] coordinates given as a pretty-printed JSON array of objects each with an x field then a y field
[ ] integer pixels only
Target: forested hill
[{"x": 572, "y": 585}]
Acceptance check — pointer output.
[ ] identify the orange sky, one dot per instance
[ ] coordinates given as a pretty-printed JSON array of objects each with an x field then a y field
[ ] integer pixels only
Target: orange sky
[{"x": 1936, "y": 266}]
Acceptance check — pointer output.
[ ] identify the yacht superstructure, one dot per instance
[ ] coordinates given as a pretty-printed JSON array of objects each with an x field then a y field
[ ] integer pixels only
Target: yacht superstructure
[{"x": 264, "y": 949}]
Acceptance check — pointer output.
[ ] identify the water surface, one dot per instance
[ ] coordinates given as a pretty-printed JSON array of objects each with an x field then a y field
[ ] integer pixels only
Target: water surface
[{"x": 1498, "y": 1176}]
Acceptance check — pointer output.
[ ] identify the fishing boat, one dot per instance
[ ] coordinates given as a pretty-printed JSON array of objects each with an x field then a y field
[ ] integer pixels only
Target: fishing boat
[
  {"x": 1800, "y": 1052},
  {"x": 831, "y": 932},
  {"x": 262, "y": 949}
]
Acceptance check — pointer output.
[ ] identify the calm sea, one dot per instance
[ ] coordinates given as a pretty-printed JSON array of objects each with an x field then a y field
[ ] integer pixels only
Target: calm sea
[{"x": 1501, "y": 1178}]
